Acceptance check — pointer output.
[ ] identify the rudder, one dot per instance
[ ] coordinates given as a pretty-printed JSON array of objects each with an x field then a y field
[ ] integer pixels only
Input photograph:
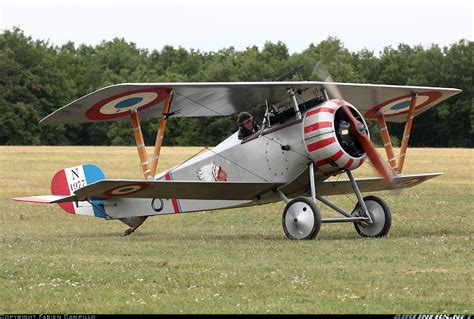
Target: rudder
[{"x": 68, "y": 180}]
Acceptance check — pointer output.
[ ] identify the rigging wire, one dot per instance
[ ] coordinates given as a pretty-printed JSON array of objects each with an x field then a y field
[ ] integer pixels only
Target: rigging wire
[
  {"x": 218, "y": 154},
  {"x": 199, "y": 103},
  {"x": 189, "y": 158}
]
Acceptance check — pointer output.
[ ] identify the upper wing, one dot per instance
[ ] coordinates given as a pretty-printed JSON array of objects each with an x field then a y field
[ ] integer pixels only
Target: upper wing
[
  {"x": 218, "y": 99},
  {"x": 372, "y": 184},
  {"x": 171, "y": 189}
]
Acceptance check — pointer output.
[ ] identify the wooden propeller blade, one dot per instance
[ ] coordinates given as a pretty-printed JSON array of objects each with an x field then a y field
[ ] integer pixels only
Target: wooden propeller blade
[
  {"x": 361, "y": 135},
  {"x": 323, "y": 74}
]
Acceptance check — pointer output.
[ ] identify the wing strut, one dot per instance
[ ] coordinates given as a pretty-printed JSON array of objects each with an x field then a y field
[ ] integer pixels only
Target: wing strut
[
  {"x": 149, "y": 171},
  {"x": 137, "y": 131},
  {"x": 161, "y": 132},
  {"x": 406, "y": 133},
  {"x": 387, "y": 144},
  {"x": 406, "y": 136}
]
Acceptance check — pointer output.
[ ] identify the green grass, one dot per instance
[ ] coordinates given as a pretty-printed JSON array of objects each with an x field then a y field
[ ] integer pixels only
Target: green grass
[{"x": 233, "y": 261}]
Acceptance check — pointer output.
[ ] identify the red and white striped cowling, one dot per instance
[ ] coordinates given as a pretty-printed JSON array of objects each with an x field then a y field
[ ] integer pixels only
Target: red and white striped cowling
[{"x": 319, "y": 136}]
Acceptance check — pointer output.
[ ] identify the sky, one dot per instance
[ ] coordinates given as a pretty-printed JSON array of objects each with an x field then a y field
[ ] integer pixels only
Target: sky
[{"x": 210, "y": 25}]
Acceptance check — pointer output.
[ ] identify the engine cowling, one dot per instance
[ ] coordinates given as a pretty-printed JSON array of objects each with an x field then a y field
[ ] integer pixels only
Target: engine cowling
[{"x": 328, "y": 139}]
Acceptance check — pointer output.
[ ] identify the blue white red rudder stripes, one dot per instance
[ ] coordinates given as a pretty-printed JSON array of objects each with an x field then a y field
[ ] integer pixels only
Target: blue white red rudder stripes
[{"x": 68, "y": 180}]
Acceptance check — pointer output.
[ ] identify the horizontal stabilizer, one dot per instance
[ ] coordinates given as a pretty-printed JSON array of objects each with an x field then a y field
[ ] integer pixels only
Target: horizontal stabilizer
[
  {"x": 45, "y": 199},
  {"x": 174, "y": 189},
  {"x": 373, "y": 184}
]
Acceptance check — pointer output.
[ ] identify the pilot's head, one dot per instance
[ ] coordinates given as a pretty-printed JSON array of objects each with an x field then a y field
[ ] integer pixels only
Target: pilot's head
[{"x": 245, "y": 120}]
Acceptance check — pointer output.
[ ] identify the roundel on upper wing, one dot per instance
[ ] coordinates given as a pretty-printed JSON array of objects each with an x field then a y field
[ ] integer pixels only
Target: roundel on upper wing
[
  {"x": 125, "y": 189},
  {"x": 400, "y": 105},
  {"x": 121, "y": 104}
]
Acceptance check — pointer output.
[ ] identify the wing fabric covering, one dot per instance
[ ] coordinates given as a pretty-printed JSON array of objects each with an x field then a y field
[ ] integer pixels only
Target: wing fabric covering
[
  {"x": 220, "y": 99},
  {"x": 372, "y": 184},
  {"x": 175, "y": 189}
]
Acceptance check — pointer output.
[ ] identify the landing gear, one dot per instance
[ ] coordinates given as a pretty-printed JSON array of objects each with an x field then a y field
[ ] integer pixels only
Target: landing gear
[
  {"x": 380, "y": 215},
  {"x": 301, "y": 219}
]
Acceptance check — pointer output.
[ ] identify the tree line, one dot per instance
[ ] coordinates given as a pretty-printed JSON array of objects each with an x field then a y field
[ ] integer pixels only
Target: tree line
[{"x": 37, "y": 77}]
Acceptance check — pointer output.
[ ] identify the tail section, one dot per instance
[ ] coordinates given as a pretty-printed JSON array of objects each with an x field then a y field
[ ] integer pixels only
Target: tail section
[{"x": 68, "y": 180}]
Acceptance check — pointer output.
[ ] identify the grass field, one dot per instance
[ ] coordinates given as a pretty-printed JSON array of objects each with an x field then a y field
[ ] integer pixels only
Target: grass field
[{"x": 233, "y": 261}]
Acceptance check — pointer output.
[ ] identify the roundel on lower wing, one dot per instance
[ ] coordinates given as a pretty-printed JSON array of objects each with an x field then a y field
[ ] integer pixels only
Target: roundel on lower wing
[
  {"x": 120, "y": 105},
  {"x": 400, "y": 105},
  {"x": 125, "y": 189}
]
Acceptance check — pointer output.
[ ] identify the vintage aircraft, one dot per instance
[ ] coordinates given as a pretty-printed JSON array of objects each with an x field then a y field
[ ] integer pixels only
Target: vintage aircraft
[{"x": 309, "y": 133}]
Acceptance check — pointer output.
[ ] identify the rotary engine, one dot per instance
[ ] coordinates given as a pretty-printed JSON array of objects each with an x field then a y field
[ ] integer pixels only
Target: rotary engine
[{"x": 328, "y": 139}]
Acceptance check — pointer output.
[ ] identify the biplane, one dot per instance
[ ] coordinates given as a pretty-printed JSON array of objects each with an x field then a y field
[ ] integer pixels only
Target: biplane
[{"x": 310, "y": 132}]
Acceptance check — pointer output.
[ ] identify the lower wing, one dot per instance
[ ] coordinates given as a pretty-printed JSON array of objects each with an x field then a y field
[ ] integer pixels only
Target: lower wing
[
  {"x": 372, "y": 184},
  {"x": 107, "y": 189}
]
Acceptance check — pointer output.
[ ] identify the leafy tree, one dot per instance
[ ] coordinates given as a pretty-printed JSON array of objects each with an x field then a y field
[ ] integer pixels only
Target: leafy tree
[{"x": 36, "y": 78}]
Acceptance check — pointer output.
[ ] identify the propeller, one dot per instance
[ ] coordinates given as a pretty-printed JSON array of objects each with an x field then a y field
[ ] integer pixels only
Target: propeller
[{"x": 357, "y": 128}]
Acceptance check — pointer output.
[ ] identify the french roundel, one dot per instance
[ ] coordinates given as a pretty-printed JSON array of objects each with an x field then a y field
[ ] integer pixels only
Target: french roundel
[
  {"x": 125, "y": 189},
  {"x": 121, "y": 104},
  {"x": 400, "y": 105}
]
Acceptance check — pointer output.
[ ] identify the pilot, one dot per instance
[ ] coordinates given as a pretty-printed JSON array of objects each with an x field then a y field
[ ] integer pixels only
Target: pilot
[{"x": 247, "y": 126}]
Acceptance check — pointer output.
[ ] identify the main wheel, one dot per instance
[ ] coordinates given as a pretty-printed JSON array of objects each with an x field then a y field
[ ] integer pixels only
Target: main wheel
[
  {"x": 379, "y": 213},
  {"x": 301, "y": 219}
]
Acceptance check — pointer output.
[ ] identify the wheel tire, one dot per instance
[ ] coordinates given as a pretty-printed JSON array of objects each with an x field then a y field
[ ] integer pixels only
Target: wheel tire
[
  {"x": 379, "y": 213},
  {"x": 301, "y": 219}
]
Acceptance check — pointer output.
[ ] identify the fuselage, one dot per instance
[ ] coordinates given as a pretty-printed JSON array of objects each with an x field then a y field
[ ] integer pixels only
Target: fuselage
[{"x": 275, "y": 154}]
